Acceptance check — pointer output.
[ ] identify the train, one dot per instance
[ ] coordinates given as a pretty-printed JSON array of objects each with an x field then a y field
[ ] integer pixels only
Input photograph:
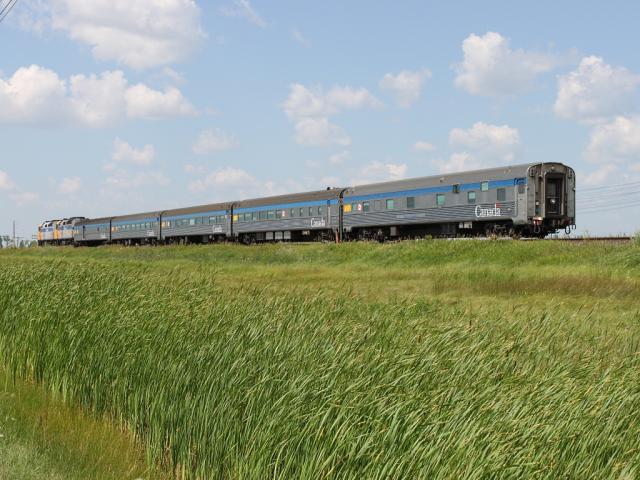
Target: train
[{"x": 530, "y": 200}]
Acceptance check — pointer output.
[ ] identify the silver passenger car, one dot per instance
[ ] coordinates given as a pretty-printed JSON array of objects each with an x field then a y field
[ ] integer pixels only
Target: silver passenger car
[{"x": 530, "y": 199}]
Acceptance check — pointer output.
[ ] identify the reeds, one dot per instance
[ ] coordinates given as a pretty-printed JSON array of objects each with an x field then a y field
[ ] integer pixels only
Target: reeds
[{"x": 244, "y": 383}]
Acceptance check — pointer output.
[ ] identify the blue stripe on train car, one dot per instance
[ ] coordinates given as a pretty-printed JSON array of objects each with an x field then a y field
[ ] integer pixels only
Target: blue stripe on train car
[
  {"x": 196, "y": 215},
  {"x": 416, "y": 192},
  {"x": 131, "y": 222},
  {"x": 283, "y": 206}
]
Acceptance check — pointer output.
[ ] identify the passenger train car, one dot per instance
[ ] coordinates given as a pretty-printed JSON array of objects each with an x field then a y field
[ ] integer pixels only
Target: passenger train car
[{"x": 522, "y": 200}]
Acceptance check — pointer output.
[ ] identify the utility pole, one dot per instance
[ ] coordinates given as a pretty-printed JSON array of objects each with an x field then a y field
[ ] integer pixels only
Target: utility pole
[{"x": 14, "y": 234}]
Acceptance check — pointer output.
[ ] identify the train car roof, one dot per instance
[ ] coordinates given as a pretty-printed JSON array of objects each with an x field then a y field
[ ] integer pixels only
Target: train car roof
[
  {"x": 136, "y": 216},
  {"x": 209, "y": 207},
  {"x": 496, "y": 173},
  {"x": 90, "y": 221},
  {"x": 327, "y": 194}
]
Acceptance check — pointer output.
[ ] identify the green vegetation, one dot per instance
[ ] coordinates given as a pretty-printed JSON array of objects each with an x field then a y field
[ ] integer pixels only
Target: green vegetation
[
  {"x": 41, "y": 437},
  {"x": 432, "y": 359}
]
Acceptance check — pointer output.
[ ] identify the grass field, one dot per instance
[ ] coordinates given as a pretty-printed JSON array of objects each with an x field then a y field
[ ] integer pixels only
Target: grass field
[{"x": 430, "y": 359}]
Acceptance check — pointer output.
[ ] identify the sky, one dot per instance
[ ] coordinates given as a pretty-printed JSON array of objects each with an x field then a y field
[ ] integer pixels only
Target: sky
[{"x": 110, "y": 107}]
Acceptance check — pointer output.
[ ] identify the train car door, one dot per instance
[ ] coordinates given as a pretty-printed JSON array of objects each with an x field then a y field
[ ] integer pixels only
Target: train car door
[{"x": 553, "y": 195}]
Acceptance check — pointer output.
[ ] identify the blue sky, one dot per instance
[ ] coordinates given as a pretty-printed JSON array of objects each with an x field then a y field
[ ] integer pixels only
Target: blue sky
[{"x": 112, "y": 106}]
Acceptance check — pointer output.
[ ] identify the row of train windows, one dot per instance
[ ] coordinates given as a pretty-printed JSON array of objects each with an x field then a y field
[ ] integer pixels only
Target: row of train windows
[
  {"x": 182, "y": 222},
  {"x": 185, "y": 222},
  {"x": 131, "y": 227},
  {"x": 390, "y": 203},
  {"x": 273, "y": 214}
]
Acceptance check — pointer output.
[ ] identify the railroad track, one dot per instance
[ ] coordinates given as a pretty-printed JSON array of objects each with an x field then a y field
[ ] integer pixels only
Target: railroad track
[{"x": 591, "y": 239}]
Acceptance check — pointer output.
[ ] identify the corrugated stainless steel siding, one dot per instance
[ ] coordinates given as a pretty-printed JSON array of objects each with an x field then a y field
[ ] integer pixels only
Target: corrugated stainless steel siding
[
  {"x": 281, "y": 224},
  {"x": 457, "y": 213},
  {"x": 135, "y": 234},
  {"x": 187, "y": 230}
]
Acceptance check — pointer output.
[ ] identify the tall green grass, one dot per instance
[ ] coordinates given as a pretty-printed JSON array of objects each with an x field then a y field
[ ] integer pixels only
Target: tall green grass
[{"x": 248, "y": 382}]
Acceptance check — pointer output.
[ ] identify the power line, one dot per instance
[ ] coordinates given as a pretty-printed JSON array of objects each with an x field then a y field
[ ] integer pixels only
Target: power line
[
  {"x": 608, "y": 208},
  {"x": 606, "y": 187},
  {"x": 7, "y": 8}
]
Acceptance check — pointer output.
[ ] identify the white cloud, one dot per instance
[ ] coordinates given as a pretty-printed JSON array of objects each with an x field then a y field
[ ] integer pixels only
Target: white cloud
[
  {"x": 601, "y": 175},
  {"x": 16, "y": 194},
  {"x": 243, "y": 9},
  {"x": 616, "y": 142},
  {"x": 340, "y": 158},
  {"x": 300, "y": 38},
  {"x": 98, "y": 101},
  {"x": 24, "y": 198},
  {"x": 314, "y": 102},
  {"x": 69, "y": 185},
  {"x": 493, "y": 140},
  {"x": 319, "y": 132},
  {"x": 406, "y": 85},
  {"x": 122, "y": 179},
  {"x": 192, "y": 169},
  {"x": 379, "y": 172},
  {"x": 227, "y": 177},
  {"x": 423, "y": 146},
  {"x": 32, "y": 16},
  {"x": 33, "y": 93},
  {"x": 125, "y": 153},
  {"x": 595, "y": 90},
  {"x": 310, "y": 109},
  {"x": 491, "y": 68},
  {"x": 458, "y": 162},
  {"x": 5, "y": 181},
  {"x": 350, "y": 98},
  {"x": 36, "y": 95},
  {"x": 144, "y": 102},
  {"x": 213, "y": 140},
  {"x": 139, "y": 34},
  {"x": 482, "y": 146}
]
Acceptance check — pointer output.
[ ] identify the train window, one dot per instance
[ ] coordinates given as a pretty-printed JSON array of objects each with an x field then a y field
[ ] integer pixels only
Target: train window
[
  {"x": 455, "y": 188},
  {"x": 320, "y": 210},
  {"x": 292, "y": 212},
  {"x": 354, "y": 207},
  {"x": 484, "y": 186},
  {"x": 301, "y": 212},
  {"x": 440, "y": 199},
  {"x": 271, "y": 215},
  {"x": 192, "y": 221},
  {"x": 366, "y": 206},
  {"x": 212, "y": 220},
  {"x": 263, "y": 214},
  {"x": 254, "y": 216},
  {"x": 390, "y": 204},
  {"x": 311, "y": 211},
  {"x": 411, "y": 202},
  {"x": 471, "y": 197},
  {"x": 521, "y": 188},
  {"x": 502, "y": 194}
]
